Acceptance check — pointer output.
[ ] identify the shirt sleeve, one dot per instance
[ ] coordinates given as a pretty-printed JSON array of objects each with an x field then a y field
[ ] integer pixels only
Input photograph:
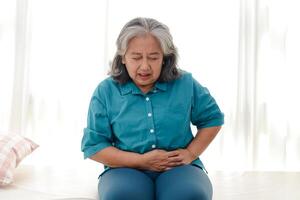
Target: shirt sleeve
[
  {"x": 205, "y": 111},
  {"x": 98, "y": 133}
]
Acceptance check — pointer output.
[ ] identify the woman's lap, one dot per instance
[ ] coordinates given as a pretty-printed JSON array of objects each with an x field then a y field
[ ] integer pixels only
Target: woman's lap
[
  {"x": 186, "y": 182},
  {"x": 181, "y": 183},
  {"x": 125, "y": 184}
]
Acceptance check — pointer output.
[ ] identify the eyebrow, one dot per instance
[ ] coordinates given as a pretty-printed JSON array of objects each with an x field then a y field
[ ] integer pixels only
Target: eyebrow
[
  {"x": 154, "y": 53},
  {"x": 151, "y": 54}
]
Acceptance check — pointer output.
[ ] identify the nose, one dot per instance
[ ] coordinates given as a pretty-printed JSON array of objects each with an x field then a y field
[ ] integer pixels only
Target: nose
[{"x": 145, "y": 64}]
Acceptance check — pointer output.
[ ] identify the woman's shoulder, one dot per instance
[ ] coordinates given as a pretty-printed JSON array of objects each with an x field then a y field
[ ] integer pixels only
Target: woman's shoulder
[
  {"x": 187, "y": 80},
  {"x": 188, "y": 77},
  {"x": 184, "y": 78},
  {"x": 185, "y": 74},
  {"x": 105, "y": 85}
]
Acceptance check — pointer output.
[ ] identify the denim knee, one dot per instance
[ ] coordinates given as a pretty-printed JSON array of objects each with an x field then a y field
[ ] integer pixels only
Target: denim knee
[
  {"x": 124, "y": 193},
  {"x": 199, "y": 194},
  {"x": 125, "y": 184}
]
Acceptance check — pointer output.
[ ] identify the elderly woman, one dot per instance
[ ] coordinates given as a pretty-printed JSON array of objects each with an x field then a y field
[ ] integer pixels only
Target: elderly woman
[{"x": 139, "y": 121}]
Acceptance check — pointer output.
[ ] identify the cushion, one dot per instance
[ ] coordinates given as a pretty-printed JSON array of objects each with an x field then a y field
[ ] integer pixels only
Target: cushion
[{"x": 13, "y": 149}]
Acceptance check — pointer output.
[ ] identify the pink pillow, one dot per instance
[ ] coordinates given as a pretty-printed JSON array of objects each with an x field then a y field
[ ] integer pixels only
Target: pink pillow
[{"x": 13, "y": 148}]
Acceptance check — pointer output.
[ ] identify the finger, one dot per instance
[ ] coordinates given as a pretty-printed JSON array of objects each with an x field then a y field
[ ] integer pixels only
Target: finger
[
  {"x": 164, "y": 163},
  {"x": 175, "y": 159},
  {"x": 168, "y": 168},
  {"x": 163, "y": 168},
  {"x": 173, "y": 153},
  {"x": 174, "y": 164},
  {"x": 158, "y": 168}
]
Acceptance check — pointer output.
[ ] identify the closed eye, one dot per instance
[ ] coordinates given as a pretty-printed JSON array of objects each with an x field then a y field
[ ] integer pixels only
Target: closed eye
[
  {"x": 137, "y": 58},
  {"x": 152, "y": 58}
]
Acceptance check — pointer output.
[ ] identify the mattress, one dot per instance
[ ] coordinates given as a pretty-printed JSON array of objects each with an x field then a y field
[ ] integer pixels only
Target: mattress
[
  {"x": 49, "y": 183},
  {"x": 256, "y": 185}
]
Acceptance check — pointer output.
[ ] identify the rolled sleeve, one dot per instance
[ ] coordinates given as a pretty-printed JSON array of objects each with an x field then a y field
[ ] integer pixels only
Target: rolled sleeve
[
  {"x": 97, "y": 134},
  {"x": 205, "y": 111}
]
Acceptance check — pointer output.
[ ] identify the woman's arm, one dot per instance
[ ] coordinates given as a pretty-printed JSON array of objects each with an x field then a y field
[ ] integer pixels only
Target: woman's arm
[
  {"x": 202, "y": 139},
  {"x": 113, "y": 157},
  {"x": 155, "y": 160},
  {"x": 158, "y": 160}
]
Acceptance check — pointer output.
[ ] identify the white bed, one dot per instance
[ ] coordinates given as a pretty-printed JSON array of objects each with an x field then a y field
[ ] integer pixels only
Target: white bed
[
  {"x": 45, "y": 183},
  {"x": 256, "y": 185}
]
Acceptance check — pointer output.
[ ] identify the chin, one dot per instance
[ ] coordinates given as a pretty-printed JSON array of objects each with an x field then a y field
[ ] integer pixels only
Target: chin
[{"x": 148, "y": 82}]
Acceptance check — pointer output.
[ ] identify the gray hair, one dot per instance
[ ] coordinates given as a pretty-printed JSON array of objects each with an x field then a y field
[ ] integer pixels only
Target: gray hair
[{"x": 138, "y": 27}]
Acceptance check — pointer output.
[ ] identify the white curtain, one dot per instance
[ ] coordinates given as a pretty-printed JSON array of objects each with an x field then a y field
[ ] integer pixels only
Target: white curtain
[
  {"x": 7, "y": 40},
  {"x": 266, "y": 122},
  {"x": 54, "y": 53}
]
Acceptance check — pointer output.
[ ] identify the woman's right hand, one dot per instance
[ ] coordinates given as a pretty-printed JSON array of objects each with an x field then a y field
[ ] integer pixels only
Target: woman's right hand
[{"x": 159, "y": 160}]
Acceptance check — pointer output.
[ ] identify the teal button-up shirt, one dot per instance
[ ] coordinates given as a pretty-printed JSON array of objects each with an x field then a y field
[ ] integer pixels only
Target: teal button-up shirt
[{"x": 124, "y": 117}]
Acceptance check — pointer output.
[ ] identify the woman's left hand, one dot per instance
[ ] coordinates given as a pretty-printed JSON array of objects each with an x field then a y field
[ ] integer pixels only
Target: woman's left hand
[{"x": 181, "y": 157}]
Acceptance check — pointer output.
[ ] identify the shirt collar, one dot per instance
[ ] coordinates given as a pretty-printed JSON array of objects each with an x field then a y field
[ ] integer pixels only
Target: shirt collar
[
  {"x": 161, "y": 86},
  {"x": 130, "y": 87},
  {"x": 126, "y": 88}
]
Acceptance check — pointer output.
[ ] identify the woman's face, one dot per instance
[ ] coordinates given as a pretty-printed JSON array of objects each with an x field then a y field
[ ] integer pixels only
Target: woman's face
[{"x": 143, "y": 61}]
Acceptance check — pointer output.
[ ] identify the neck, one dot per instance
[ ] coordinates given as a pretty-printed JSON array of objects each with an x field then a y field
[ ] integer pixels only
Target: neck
[{"x": 146, "y": 89}]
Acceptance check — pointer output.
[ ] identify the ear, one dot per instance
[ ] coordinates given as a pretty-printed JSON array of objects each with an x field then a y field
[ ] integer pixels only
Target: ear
[{"x": 123, "y": 60}]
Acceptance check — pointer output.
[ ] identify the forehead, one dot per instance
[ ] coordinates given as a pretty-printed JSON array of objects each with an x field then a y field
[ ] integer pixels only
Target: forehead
[{"x": 146, "y": 43}]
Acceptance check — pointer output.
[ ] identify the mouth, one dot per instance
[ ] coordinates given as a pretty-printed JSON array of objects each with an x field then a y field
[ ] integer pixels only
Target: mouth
[{"x": 144, "y": 76}]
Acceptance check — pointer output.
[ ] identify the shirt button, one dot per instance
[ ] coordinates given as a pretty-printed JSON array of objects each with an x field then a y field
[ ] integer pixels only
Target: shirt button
[
  {"x": 149, "y": 114},
  {"x": 147, "y": 99},
  {"x": 153, "y": 146},
  {"x": 154, "y": 91},
  {"x": 151, "y": 130}
]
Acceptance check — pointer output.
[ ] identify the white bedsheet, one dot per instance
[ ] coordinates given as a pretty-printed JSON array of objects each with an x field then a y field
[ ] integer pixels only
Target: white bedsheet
[
  {"x": 256, "y": 185},
  {"x": 47, "y": 183}
]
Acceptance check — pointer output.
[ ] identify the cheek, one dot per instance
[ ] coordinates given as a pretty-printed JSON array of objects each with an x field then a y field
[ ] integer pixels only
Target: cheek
[
  {"x": 157, "y": 70},
  {"x": 131, "y": 70}
]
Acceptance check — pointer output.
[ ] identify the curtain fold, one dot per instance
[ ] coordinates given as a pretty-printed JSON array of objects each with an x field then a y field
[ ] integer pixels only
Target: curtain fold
[
  {"x": 7, "y": 59},
  {"x": 246, "y": 82},
  {"x": 19, "y": 100}
]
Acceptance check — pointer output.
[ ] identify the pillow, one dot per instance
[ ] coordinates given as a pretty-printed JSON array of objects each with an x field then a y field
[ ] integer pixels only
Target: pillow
[{"x": 13, "y": 148}]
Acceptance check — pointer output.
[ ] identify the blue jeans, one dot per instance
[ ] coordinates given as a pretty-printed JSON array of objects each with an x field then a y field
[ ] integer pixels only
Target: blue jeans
[{"x": 186, "y": 182}]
